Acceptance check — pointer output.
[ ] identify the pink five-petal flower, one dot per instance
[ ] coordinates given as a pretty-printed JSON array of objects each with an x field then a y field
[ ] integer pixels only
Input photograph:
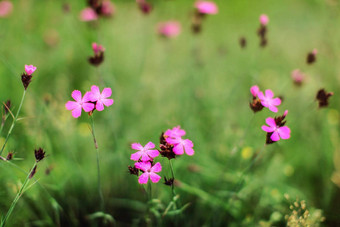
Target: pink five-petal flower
[
  {"x": 278, "y": 132},
  {"x": 264, "y": 19},
  {"x": 149, "y": 171},
  {"x": 144, "y": 153},
  {"x": 88, "y": 14},
  {"x": 29, "y": 69},
  {"x": 97, "y": 48},
  {"x": 5, "y": 8},
  {"x": 100, "y": 98},
  {"x": 268, "y": 100},
  {"x": 181, "y": 145},
  {"x": 169, "y": 28},
  {"x": 254, "y": 90},
  {"x": 175, "y": 132},
  {"x": 80, "y": 103},
  {"x": 206, "y": 7}
]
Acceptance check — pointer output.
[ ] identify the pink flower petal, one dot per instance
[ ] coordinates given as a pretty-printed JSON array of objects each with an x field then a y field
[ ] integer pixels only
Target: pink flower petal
[
  {"x": 267, "y": 129},
  {"x": 76, "y": 95},
  {"x": 88, "y": 14},
  {"x": 284, "y": 132},
  {"x": 107, "y": 102},
  {"x": 87, "y": 97},
  {"x": 143, "y": 179},
  {"x": 178, "y": 149},
  {"x": 269, "y": 93},
  {"x": 275, "y": 136},
  {"x": 260, "y": 95},
  {"x": 189, "y": 151},
  {"x": 156, "y": 168},
  {"x": 95, "y": 91},
  {"x": 271, "y": 122},
  {"x": 145, "y": 157},
  {"x": 107, "y": 92},
  {"x": 136, "y": 146},
  {"x": 153, "y": 153},
  {"x": 276, "y": 101},
  {"x": 254, "y": 90},
  {"x": 136, "y": 156},
  {"x": 273, "y": 109},
  {"x": 70, "y": 105},
  {"x": 143, "y": 165},
  {"x": 99, "y": 106},
  {"x": 76, "y": 112},
  {"x": 88, "y": 107},
  {"x": 149, "y": 145},
  {"x": 154, "y": 177}
]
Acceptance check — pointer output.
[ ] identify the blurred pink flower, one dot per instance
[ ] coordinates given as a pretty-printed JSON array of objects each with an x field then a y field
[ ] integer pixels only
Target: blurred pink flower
[
  {"x": 298, "y": 76},
  {"x": 97, "y": 48},
  {"x": 264, "y": 19},
  {"x": 268, "y": 100},
  {"x": 6, "y": 8},
  {"x": 277, "y": 131},
  {"x": 315, "y": 51},
  {"x": 175, "y": 132},
  {"x": 144, "y": 153},
  {"x": 88, "y": 14},
  {"x": 181, "y": 145},
  {"x": 254, "y": 90},
  {"x": 100, "y": 98},
  {"x": 149, "y": 171},
  {"x": 107, "y": 8},
  {"x": 144, "y": 6},
  {"x": 79, "y": 104},
  {"x": 169, "y": 28},
  {"x": 206, "y": 7},
  {"x": 29, "y": 69}
]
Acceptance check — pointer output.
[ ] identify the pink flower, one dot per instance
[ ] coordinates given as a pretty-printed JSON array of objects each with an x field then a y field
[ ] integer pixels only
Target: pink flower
[
  {"x": 315, "y": 51},
  {"x": 264, "y": 19},
  {"x": 29, "y": 69},
  {"x": 144, "y": 6},
  {"x": 298, "y": 76},
  {"x": 107, "y": 8},
  {"x": 254, "y": 90},
  {"x": 206, "y": 7},
  {"x": 181, "y": 145},
  {"x": 97, "y": 48},
  {"x": 100, "y": 98},
  {"x": 149, "y": 171},
  {"x": 175, "y": 132},
  {"x": 80, "y": 103},
  {"x": 169, "y": 29},
  {"x": 268, "y": 100},
  {"x": 88, "y": 14},
  {"x": 144, "y": 153},
  {"x": 6, "y": 8},
  {"x": 278, "y": 132}
]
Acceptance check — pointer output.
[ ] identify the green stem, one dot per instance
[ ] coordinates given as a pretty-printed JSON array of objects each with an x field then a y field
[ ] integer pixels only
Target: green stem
[
  {"x": 13, "y": 123},
  {"x": 98, "y": 165},
  {"x": 16, "y": 199},
  {"x": 173, "y": 177}
]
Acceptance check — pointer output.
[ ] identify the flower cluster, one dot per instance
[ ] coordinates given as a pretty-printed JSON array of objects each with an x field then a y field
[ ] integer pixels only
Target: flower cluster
[
  {"x": 262, "y": 31},
  {"x": 92, "y": 100},
  {"x": 98, "y": 57},
  {"x": 97, "y": 8},
  {"x": 261, "y": 99},
  {"x": 173, "y": 137},
  {"x": 202, "y": 8},
  {"x": 27, "y": 75}
]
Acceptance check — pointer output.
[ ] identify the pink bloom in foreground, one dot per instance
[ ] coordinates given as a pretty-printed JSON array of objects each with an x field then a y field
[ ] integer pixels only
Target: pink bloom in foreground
[
  {"x": 175, "y": 132},
  {"x": 268, "y": 100},
  {"x": 107, "y": 8},
  {"x": 264, "y": 19},
  {"x": 97, "y": 48},
  {"x": 277, "y": 131},
  {"x": 88, "y": 14},
  {"x": 100, "y": 98},
  {"x": 29, "y": 69},
  {"x": 206, "y": 7},
  {"x": 254, "y": 90},
  {"x": 6, "y": 8},
  {"x": 149, "y": 171},
  {"x": 181, "y": 145},
  {"x": 79, "y": 104},
  {"x": 144, "y": 153},
  {"x": 169, "y": 29}
]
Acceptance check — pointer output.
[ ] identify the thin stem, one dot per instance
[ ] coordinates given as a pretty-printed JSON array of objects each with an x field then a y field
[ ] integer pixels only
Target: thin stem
[
  {"x": 19, "y": 194},
  {"x": 13, "y": 123},
  {"x": 173, "y": 177},
  {"x": 98, "y": 165},
  {"x": 149, "y": 191}
]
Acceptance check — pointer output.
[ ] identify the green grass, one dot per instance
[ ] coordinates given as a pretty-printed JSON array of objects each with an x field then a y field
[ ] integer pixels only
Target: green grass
[{"x": 200, "y": 82}]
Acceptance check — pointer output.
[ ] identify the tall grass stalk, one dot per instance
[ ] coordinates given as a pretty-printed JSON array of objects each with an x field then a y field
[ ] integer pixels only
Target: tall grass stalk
[{"x": 13, "y": 123}]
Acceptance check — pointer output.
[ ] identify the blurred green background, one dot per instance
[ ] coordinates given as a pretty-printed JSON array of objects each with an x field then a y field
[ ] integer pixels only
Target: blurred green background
[{"x": 199, "y": 81}]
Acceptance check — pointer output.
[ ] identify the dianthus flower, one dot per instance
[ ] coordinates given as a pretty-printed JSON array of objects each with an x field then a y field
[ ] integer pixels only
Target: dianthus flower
[
  {"x": 255, "y": 105},
  {"x": 276, "y": 128},
  {"x": 97, "y": 48},
  {"x": 175, "y": 132},
  {"x": 27, "y": 75},
  {"x": 181, "y": 145},
  {"x": 149, "y": 171},
  {"x": 206, "y": 7},
  {"x": 79, "y": 104},
  {"x": 264, "y": 19},
  {"x": 100, "y": 98},
  {"x": 144, "y": 153},
  {"x": 169, "y": 29},
  {"x": 267, "y": 100},
  {"x": 6, "y": 8},
  {"x": 29, "y": 69},
  {"x": 88, "y": 14}
]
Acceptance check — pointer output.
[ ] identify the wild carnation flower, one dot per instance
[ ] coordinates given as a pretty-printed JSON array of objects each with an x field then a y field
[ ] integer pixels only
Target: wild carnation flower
[
  {"x": 267, "y": 100},
  {"x": 175, "y": 132},
  {"x": 5, "y": 8},
  {"x": 100, "y": 98},
  {"x": 149, "y": 171},
  {"x": 88, "y": 14},
  {"x": 97, "y": 48},
  {"x": 276, "y": 128},
  {"x": 107, "y": 8},
  {"x": 206, "y": 7},
  {"x": 144, "y": 6},
  {"x": 169, "y": 28},
  {"x": 79, "y": 104},
  {"x": 181, "y": 145},
  {"x": 298, "y": 77},
  {"x": 254, "y": 90},
  {"x": 264, "y": 19},
  {"x": 29, "y": 69},
  {"x": 144, "y": 153}
]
